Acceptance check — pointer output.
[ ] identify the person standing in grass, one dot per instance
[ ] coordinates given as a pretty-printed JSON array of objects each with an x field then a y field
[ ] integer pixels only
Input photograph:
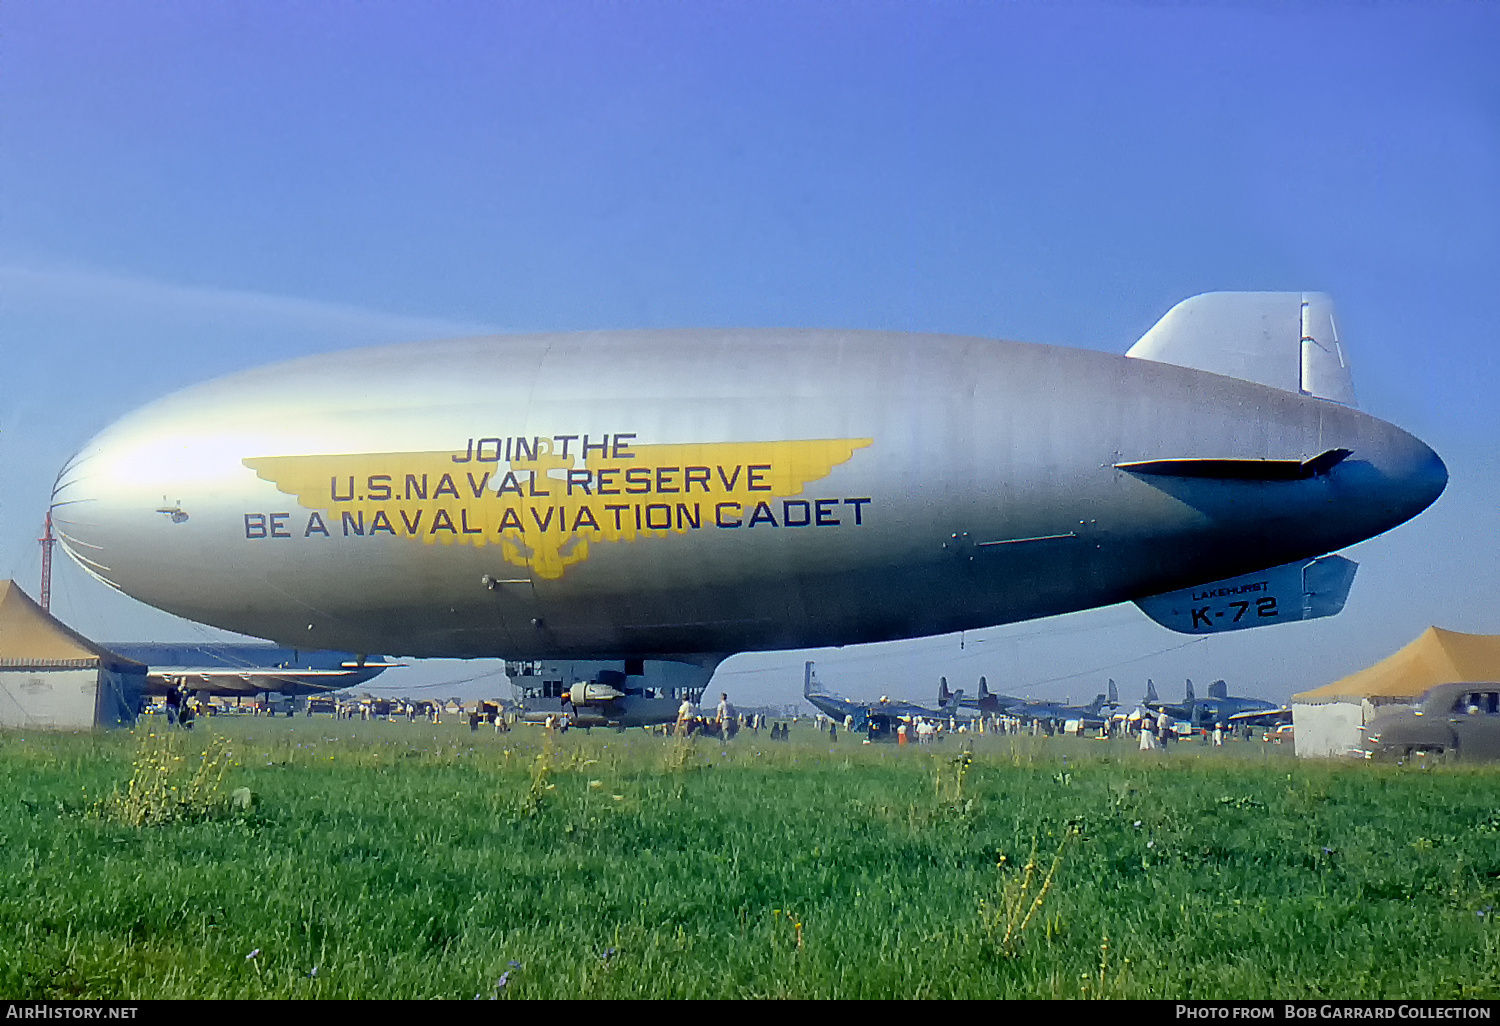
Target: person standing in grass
[
  {"x": 1148, "y": 736},
  {"x": 725, "y": 715}
]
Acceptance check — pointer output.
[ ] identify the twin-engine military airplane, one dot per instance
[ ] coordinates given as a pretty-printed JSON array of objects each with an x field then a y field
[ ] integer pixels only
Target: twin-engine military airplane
[
  {"x": 1050, "y": 712},
  {"x": 642, "y": 498},
  {"x": 986, "y": 703},
  {"x": 1220, "y": 707},
  {"x": 1094, "y": 714},
  {"x": 858, "y": 714}
]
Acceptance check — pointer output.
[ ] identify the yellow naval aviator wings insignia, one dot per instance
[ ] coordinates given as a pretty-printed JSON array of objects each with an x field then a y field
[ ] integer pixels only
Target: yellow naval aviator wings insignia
[{"x": 545, "y": 509}]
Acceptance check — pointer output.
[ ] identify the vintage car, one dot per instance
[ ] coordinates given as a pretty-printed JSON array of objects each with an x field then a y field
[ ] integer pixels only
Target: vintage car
[{"x": 1457, "y": 721}]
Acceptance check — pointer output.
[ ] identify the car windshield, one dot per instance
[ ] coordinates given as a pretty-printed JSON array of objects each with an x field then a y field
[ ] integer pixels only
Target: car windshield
[{"x": 1477, "y": 703}]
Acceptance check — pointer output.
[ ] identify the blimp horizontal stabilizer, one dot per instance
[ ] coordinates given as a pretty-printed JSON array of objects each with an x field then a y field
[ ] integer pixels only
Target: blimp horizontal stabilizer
[
  {"x": 1304, "y": 590},
  {"x": 1241, "y": 470}
]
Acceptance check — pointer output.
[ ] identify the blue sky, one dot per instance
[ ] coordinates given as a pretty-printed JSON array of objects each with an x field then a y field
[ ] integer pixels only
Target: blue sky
[{"x": 191, "y": 189}]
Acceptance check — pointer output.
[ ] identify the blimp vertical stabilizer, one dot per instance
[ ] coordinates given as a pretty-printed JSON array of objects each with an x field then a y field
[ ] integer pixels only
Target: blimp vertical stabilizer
[{"x": 1288, "y": 340}]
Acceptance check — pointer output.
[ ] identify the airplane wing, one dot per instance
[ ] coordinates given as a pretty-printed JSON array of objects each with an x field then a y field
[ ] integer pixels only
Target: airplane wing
[
  {"x": 1282, "y": 714},
  {"x": 253, "y": 681}
]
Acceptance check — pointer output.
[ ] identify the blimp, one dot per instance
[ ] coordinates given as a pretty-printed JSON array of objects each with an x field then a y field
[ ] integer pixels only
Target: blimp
[{"x": 654, "y": 501}]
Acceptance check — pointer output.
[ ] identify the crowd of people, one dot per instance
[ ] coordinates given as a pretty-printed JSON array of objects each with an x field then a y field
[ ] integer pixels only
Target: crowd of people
[
  {"x": 181, "y": 706},
  {"x": 1153, "y": 731},
  {"x": 725, "y": 722}
]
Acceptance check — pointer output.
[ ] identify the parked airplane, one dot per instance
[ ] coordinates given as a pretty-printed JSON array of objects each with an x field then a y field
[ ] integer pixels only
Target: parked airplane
[
  {"x": 1093, "y": 714},
  {"x": 247, "y": 669},
  {"x": 1153, "y": 701},
  {"x": 987, "y": 704},
  {"x": 685, "y": 495},
  {"x": 842, "y": 709},
  {"x": 1219, "y": 707},
  {"x": 1232, "y": 710}
]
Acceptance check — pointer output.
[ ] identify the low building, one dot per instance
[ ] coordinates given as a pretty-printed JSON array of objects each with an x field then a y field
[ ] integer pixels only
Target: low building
[
  {"x": 52, "y": 677},
  {"x": 1330, "y": 720}
]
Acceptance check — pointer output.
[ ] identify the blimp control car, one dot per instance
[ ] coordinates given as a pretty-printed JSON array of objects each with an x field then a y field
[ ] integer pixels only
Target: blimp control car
[
  {"x": 650, "y": 501},
  {"x": 1460, "y": 721}
]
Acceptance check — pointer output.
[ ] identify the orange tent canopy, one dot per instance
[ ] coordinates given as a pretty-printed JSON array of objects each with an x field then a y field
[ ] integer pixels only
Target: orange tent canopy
[
  {"x": 1435, "y": 657},
  {"x": 31, "y": 637}
]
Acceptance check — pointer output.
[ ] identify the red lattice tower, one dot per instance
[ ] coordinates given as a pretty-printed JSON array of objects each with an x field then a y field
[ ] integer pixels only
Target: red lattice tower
[{"x": 47, "y": 541}]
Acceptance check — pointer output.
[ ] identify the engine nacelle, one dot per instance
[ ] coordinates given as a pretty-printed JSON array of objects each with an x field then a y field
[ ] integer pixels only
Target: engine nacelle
[
  {"x": 605, "y": 688},
  {"x": 593, "y": 693}
]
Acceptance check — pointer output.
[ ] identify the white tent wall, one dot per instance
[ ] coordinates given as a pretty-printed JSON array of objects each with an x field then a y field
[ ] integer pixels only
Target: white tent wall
[
  {"x": 1334, "y": 729},
  {"x": 56, "y": 699},
  {"x": 1328, "y": 729}
]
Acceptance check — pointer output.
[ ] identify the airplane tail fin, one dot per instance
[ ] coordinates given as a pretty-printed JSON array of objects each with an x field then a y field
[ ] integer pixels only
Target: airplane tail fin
[
  {"x": 1287, "y": 340},
  {"x": 1114, "y": 695},
  {"x": 1218, "y": 689},
  {"x": 1151, "y": 695},
  {"x": 809, "y": 680},
  {"x": 1187, "y": 698},
  {"x": 984, "y": 689},
  {"x": 943, "y": 693}
]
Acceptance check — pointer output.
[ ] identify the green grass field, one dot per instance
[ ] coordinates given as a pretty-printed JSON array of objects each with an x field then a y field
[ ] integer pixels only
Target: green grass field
[{"x": 411, "y": 860}]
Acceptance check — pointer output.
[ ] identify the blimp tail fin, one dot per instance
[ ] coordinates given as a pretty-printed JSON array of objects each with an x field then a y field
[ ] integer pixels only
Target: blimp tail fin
[
  {"x": 1305, "y": 590},
  {"x": 1288, "y": 340}
]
